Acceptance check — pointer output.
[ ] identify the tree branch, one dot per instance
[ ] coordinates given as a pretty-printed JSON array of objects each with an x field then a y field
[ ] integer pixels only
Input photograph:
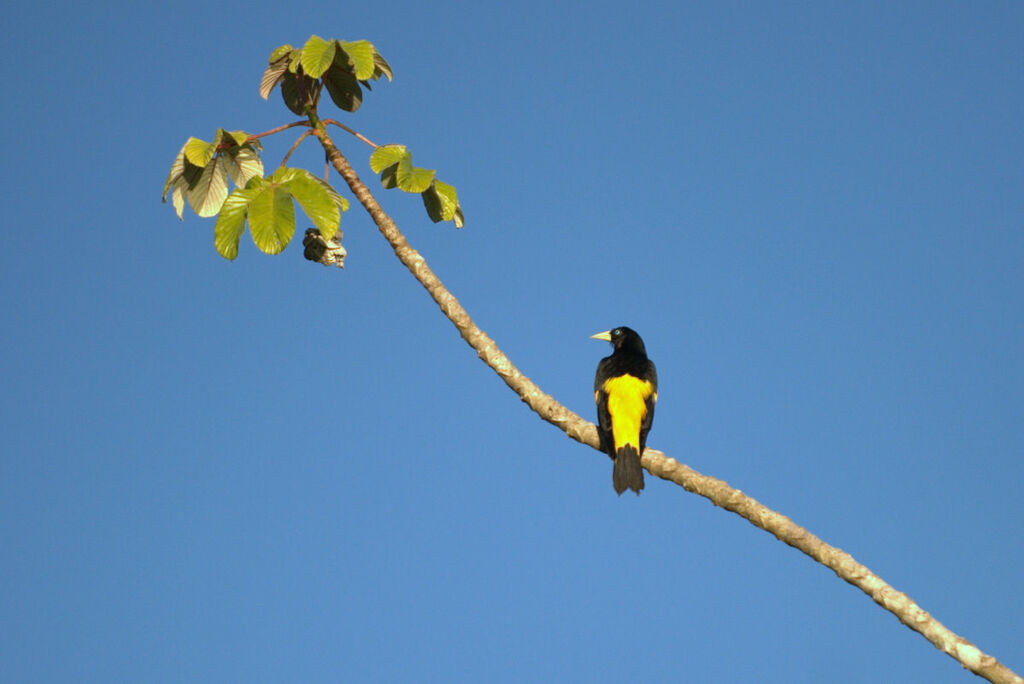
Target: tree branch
[{"x": 713, "y": 489}]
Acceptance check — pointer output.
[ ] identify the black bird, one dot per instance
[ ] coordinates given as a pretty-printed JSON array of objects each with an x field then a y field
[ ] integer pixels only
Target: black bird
[{"x": 625, "y": 389}]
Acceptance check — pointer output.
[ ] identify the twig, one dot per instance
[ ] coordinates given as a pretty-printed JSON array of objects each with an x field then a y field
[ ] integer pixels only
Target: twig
[
  {"x": 295, "y": 145},
  {"x": 356, "y": 134}
]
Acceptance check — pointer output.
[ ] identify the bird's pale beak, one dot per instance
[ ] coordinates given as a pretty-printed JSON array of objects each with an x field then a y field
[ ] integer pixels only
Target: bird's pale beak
[{"x": 606, "y": 336}]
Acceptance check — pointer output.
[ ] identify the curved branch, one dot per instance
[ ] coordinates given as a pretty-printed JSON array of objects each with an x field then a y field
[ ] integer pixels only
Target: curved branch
[
  {"x": 295, "y": 146},
  {"x": 715, "y": 490},
  {"x": 355, "y": 133}
]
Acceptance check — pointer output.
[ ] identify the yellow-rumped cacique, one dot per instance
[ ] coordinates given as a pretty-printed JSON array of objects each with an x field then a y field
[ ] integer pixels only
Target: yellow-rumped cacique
[{"x": 625, "y": 389}]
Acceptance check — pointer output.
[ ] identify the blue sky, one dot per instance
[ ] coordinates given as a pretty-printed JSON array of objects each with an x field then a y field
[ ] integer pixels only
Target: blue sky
[{"x": 269, "y": 471}]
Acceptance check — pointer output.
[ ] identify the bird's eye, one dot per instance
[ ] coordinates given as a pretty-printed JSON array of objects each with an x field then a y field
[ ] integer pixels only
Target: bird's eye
[{"x": 616, "y": 332}]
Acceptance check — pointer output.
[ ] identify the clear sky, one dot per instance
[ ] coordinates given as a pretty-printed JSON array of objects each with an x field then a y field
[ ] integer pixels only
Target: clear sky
[{"x": 271, "y": 471}]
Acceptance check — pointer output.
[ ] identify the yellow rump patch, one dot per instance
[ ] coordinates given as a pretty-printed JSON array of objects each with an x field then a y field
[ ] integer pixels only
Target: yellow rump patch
[{"x": 627, "y": 397}]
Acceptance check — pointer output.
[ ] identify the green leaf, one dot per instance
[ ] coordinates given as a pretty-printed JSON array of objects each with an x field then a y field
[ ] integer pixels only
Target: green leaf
[
  {"x": 242, "y": 163},
  {"x": 381, "y": 66},
  {"x": 360, "y": 54},
  {"x": 405, "y": 175},
  {"x": 317, "y": 55},
  {"x": 239, "y": 137},
  {"x": 343, "y": 87},
  {"x": 294, "y": 60},
  {"x": 316, "y": 203},
  {"x": 178, "y": 195},
  {"x": 332, "y": 193},
  {"x": 389, "y": 177},
  {"x": 283, "y": 174},
  {"x": 290, "y": 94},
  {"x": 209, "y": 193},
  {"x": 386, "y": 155},
  {"x": 192, "y": 173},
  {"x": 272, "y": 218},
  {"x": 413, "y": 179},
  {"x": 441, "y": 201},
  {"x": 199, "y": 152},
  {"x": 177, "y": 169},
  {"x": 231, "y": 222},
  {"x": 272, "y": 75},
  {"x": 279, "y": 53}
]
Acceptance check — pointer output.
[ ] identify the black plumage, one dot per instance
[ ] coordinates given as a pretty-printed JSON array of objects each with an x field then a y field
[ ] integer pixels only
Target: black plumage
[{"x": 625, "y": 390}]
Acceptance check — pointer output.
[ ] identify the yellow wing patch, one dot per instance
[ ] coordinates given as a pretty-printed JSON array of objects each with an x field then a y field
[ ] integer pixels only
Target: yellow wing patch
[{"x": 627, "y": 396}]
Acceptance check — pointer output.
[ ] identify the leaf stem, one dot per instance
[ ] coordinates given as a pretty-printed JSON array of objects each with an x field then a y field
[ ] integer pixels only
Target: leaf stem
[
  {"x": 295, "y": 145},
  {"x": 356, "y": 134}
]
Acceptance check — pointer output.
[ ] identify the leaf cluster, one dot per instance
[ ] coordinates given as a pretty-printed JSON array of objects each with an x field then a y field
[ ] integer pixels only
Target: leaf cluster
[
  {"x": 343, "y": 67},
  {"x": 268, "y": 204},
  {"x": 201, "y": 171},
  {"x": 394, "y": 164}
]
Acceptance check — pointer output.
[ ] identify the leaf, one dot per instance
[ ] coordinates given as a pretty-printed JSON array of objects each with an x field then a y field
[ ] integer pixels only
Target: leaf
[
  {"x": 279, "y": 53},
  {"x": 294, "y": 60},
  {"x": 381, "y": 66},
  {"x": 272, "y": 218},
  {"x": 177, "y": 169},
  {"x": 272, "y": 75},
  {"x": 231, "y": 222},
  {"x": 404, "y": 175},
  {"x": 192, "y": 174},
  {"x": 199, "y": 152},
  {"x": 441, "y": 201},
  {"x": 332, "y": 193},
  {"x": 239, "y": 137},
  {"x": 386, "y": 155},
  {"x": 178, "y": 197},
  {"x": 343, "y": 87},
  {"x": 290, "y": 94},
  {"x": 316, "y": 203},
  {"x": 283, "y": 174},
  {"x": 360, "y": 54},
  {"x": 209, "y": 193},
  {"x": 317, "y": 55},
  {"x": 432, "y": 203},
  {"x": 459, "y": 220},
  {"x": 389, "y": 177},
  {"x": 242, "y": 164},
  {"x": 413, "y": 179}
]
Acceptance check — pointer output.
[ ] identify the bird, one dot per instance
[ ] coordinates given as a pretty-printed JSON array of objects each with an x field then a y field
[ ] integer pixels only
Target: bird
[{"x": 625, "y": 391}]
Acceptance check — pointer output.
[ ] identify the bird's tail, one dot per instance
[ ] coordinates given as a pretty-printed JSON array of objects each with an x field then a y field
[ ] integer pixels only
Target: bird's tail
[{"x": 627, "y": 473}]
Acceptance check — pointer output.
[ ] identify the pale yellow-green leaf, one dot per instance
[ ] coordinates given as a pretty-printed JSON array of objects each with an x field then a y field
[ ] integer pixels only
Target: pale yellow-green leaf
[
  {"x": 449, "y": 199},
  {"x": 332, "y": 193},
  {"x": 279, "y": 52},
  {"x": 413, "y": 179},
  {"x": 272, "y": 218},
  {"x": 386, "y": 155},
  {"x": 317, "y": 55},
  {"x": 208, "y": 194},
  {"x": 242, "y": 164},
  {"x": 316, "y": 203},
  {"x": 178, "y": 197},
  {"x": 199, "y": 152},
  {"x": 231, "y": 222},
  {"x": 177, "y": 168},
  {"x": 360, "y": 54}
]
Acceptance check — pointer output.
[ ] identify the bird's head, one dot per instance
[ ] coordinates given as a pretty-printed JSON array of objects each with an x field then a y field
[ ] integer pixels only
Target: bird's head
[{"x": 622, "y": 338}]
